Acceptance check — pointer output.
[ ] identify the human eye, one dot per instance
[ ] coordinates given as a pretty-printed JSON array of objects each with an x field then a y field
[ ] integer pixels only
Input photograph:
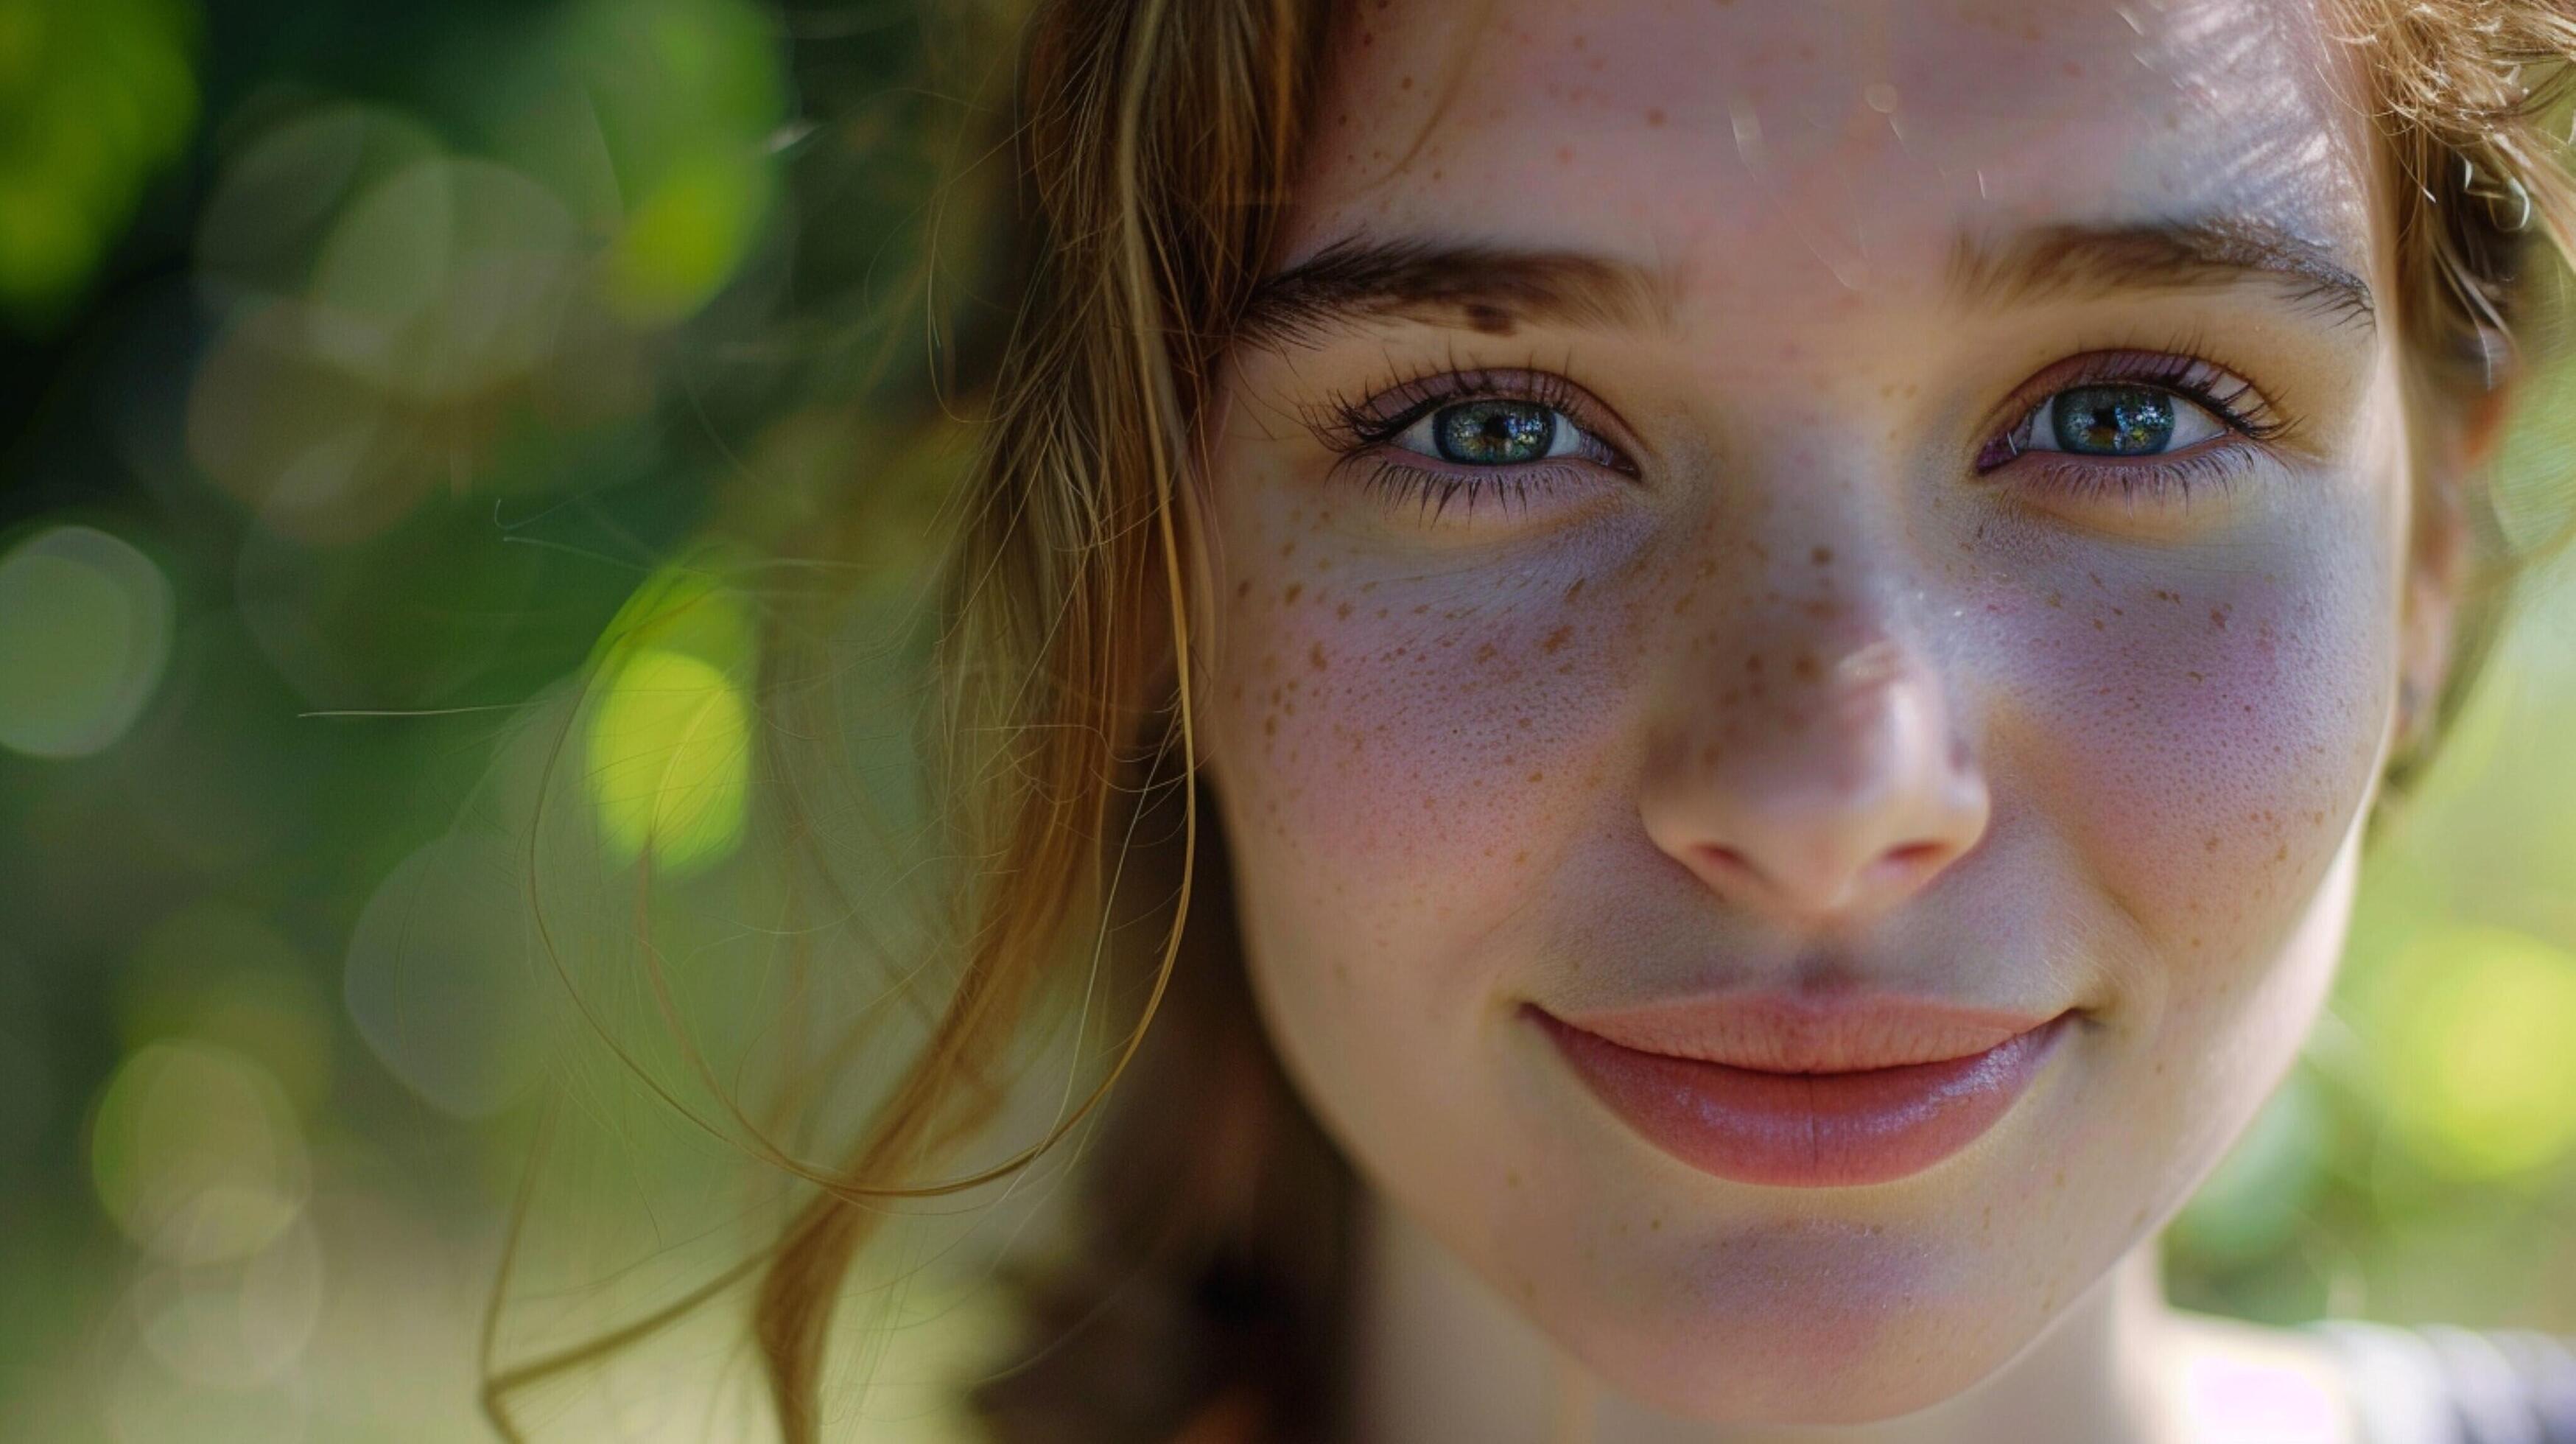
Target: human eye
[
  {"x": 1498, "y": 431},
  {"x": 1513, "y": 439},
  {"x": 2138, "y": 427}
]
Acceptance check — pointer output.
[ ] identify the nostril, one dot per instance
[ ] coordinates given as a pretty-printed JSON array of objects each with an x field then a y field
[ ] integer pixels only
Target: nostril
[
  {"x": 1724, "y": 865},
  {"x": 1820, "y": 884},
  {"x": 1725, "y": 858},
  {"x": 1907, "y": 866}
]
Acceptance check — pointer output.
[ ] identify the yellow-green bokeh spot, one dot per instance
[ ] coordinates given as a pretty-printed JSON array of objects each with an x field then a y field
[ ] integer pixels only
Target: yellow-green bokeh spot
[
  {"x": 669, "y": 759},
  {"x": 689, "y": 608},
  {"x": 682, "y": 99},
  {"x": 95, "y": 96},
  {"x": 688, "y": 234},
  {"x": 2475, "y": 1025}
]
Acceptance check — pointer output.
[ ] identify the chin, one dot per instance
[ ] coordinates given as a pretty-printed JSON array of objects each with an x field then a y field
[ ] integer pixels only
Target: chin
[{"x": 1797, "y": 1322}]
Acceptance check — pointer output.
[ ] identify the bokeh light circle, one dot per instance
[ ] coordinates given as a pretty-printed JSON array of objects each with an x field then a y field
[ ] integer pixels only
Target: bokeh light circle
[
  {"x": 217, "y": 972},
  {"x": 447, "y": 278},
  {"x": 670, "y": 760},
  {"x": 235, "y": 1324},
  {"x": 85, "y": 624},
  {"x": 197, "y": 1155},
  {"x": 143, "y": 1402},
  {"x": 442, "y": 977},
  {"x": 2474, "y": 1022},
  {"x": 279, "y": 194}
]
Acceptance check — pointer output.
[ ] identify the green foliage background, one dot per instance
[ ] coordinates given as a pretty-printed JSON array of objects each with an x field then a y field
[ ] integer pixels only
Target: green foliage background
[{"x": 368, "y": 372}]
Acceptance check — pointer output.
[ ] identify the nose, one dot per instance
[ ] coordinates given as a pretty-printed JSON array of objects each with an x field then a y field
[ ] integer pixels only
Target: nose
[{"x": 1822, "y": 782}]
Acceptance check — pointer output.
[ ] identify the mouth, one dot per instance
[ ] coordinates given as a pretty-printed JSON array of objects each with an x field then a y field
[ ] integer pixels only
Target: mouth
[{"x": 1869, "y": 1121}]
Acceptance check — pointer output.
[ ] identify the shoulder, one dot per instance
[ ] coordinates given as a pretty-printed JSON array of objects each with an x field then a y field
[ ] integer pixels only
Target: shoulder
[
  {"x": 2345, "y": 1381},
  {"x": 2226, "y": 1381},
  {"x": 2442, "y": 1384}
]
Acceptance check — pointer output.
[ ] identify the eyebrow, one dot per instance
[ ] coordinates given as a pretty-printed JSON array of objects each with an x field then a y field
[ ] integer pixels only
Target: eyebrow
[
  {"x": 2073, "y": 262},
  {"x": 1495, "y": 289}
]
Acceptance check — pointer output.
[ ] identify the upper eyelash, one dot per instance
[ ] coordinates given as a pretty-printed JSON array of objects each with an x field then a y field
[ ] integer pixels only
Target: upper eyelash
[
  {"x": 2176, "y": 369},
  {"x": 1352, "y": 425},
  {"x": 1349, "y": 425}
]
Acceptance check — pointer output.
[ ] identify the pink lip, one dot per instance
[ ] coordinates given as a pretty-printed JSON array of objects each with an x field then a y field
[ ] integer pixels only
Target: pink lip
[{"x": 1807, "y": 1092}]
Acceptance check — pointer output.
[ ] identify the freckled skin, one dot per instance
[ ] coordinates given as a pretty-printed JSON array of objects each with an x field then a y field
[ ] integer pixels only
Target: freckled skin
[{"x": 1613, "y": 745}]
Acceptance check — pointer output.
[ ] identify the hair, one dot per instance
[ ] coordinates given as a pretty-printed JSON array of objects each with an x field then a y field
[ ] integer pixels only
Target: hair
[{"x": 1154, "y": 144}]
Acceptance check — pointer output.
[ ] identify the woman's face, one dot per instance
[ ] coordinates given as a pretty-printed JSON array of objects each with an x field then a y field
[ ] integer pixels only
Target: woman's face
[{"x": 1824, "y": 512}]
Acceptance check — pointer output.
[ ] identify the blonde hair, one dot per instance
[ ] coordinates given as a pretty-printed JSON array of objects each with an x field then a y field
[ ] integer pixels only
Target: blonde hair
[{"x": 1155, "y": 142}]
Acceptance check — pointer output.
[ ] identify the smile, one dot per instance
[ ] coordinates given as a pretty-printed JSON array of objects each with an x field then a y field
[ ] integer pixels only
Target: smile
[{"x": 1807, "y": 1128}]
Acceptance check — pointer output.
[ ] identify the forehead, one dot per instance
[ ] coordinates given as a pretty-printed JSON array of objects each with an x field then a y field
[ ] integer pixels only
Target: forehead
[{"x": 1854, "y": 138}]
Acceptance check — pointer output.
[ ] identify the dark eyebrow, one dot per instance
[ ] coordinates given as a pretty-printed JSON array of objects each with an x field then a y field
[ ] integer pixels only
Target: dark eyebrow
[
  {"x": 2061, "y": 262},
  {"x": 1495, "y": 289},
  {"x": 1491, "y": 288}
]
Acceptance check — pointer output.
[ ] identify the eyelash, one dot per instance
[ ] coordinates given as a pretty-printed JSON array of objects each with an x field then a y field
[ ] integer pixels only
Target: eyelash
[
  {"x": 1360, "y": 429},
  {"x": 2181, "y": 369}
]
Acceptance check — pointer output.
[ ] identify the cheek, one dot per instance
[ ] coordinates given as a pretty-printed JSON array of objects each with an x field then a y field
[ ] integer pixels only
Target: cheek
[
  {"x": 2203, "y": 736},
  {"x": 1403, "y": 752}
]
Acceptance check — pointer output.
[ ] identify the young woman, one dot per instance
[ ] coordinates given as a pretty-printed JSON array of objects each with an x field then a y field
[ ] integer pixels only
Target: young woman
[{"x": 1733, "y": 657}]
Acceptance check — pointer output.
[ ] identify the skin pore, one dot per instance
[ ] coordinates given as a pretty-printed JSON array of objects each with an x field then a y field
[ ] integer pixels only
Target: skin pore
[{"x": 1768, "y": 636}]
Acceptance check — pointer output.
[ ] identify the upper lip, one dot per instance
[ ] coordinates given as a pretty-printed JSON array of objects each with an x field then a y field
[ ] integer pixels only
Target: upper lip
[{"x": 1796, "y": 1033}]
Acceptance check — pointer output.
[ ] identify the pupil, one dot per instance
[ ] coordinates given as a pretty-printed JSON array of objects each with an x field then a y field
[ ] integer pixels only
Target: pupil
[
  {"x": 2113, "y": 420},
  {"x": 1495, "y": 433}
]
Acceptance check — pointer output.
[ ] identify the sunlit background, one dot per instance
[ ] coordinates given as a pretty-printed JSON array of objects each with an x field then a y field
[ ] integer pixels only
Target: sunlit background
[{"x": 368, "y": 373}]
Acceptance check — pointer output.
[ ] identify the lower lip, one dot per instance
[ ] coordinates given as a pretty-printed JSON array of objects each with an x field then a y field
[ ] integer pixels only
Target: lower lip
[{"x": 1807, "y": 1130}]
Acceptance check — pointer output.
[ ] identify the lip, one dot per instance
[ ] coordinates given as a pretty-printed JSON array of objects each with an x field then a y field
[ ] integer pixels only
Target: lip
[{"x": 1807, "y": 1093}]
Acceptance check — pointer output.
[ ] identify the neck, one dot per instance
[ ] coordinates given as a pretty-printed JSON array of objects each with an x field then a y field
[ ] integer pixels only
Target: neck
[{"x": 1442, "y": 1356}]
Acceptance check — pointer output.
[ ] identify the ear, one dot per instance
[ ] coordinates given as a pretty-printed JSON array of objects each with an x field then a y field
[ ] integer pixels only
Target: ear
[{"x": 2453, "y": 464}]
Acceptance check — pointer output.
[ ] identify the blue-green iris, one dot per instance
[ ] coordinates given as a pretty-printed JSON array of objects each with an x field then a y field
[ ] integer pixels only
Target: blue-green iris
[
  {"x": 2113, "y": 420},
  {"x": 1494, "y": 433}
]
